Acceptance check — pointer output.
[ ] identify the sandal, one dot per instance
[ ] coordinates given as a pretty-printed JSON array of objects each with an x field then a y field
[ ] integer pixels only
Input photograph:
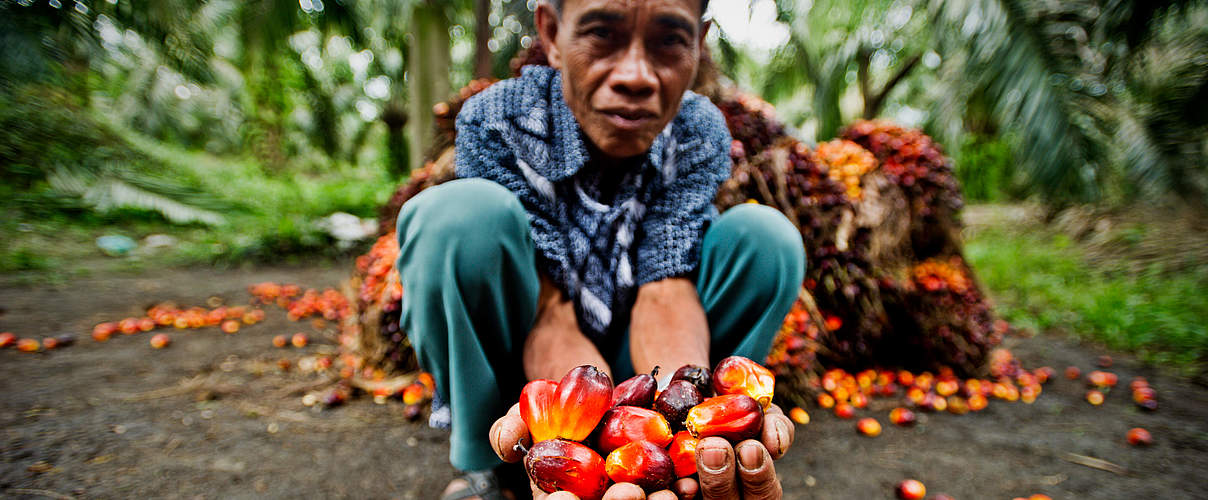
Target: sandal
[{"x": 481, "y": 484}]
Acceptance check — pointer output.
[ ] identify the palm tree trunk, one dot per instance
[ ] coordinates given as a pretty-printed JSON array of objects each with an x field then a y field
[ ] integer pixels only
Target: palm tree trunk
[
  {"x": 428, "y": 62},
  {"x": 482, "y": 34}
]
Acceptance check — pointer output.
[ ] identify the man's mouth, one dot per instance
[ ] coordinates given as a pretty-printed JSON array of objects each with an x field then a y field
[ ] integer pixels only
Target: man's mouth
[{"x": 629, "y": 118}]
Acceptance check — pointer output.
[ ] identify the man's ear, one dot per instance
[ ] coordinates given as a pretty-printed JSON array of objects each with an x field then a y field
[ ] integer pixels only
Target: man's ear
[
  {"x": 704, "y": 31},
  {"x": 547, "y": 19}
]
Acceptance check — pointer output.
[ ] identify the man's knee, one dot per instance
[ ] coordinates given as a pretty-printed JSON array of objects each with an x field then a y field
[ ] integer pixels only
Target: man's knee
[
  {"x": 467, "y": 222},
  {"x": 766, "y": 233}
]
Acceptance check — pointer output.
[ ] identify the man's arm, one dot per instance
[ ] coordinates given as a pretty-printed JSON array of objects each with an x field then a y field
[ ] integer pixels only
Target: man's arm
[
  {"x": 556, "y": 345},
  {"x": 668, "y": 327}
]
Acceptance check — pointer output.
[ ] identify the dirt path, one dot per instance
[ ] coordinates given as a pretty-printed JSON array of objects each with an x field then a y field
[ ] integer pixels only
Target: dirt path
[{"x": 211, "y": 417}]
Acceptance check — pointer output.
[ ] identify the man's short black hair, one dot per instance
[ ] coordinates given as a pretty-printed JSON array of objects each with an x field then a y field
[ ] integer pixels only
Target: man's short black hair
[{"x": 704, "y": 5}]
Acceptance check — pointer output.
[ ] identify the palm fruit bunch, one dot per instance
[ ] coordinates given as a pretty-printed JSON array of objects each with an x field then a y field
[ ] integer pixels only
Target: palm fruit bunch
[
  {"x": 588, "y": 434},
  {"x": 912, "y": 160},
  {"x": 846, "y": 162}
]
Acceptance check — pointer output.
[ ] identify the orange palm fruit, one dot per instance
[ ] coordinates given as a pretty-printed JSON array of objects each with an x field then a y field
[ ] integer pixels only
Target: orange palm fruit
[
  {"x": 561, "y": 465},
  {"x": 798, "y": 415},
  {"x": 732, "y": 416},
  {"x": 413, "y": 394},
  {"x": 160, "y": 341},
  {"x": 29, "y": 345},
  {"x": 7, "y": 339},
  {"x": 537, "y": 407},
  {"x": 683, "y": 454},
  {"x": 584, "y": 394},
  {"x": 911, "y": 489},
  {"x": 642, "y": 463},
  {"x": 739, "y": 375},
  {"x": 625, "y": 424},
  {"x": 869, "y": 427},
  {"x": 901, "y": 416}
]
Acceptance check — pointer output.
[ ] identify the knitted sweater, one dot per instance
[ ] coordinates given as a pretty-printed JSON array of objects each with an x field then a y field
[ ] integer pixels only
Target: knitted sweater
[{"x": 597, "y": 239}]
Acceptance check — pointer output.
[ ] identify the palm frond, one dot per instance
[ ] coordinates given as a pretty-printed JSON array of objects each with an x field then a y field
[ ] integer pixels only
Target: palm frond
[{"x": 105, "y": 192}]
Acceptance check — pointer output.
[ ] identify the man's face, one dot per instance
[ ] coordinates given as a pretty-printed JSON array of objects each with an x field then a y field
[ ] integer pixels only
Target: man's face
[{"x": 625, "y": 65}]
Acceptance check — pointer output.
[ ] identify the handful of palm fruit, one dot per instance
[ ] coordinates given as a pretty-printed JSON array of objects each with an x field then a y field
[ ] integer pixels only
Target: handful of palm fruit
[{"x": 588, "y": 434}]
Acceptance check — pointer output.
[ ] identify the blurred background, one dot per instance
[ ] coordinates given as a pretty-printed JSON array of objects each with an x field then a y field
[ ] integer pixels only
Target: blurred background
[{"x": 225, "y": 132}]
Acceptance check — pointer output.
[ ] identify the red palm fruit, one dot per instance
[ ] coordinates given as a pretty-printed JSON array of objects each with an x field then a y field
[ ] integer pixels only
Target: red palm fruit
[
  {"x": 698, "y": 375},
  {"x": 637, "y": 391},
  {"x": 1094, "y": 397},
  {"x": 911, "y": 489},
  {"x": 561, "y": 465},
  {"x": 887, "y": 390},
  {"x": 946, "y": 387},
  {"x": 798, "y": 415},
  {"x": 1040, "y": 496},
  {"x": 146, "y": 324},
  {"x": 28, "y": 345},
  {"x": 1105, "y": 361},
  {"x": 160, "y": 340},
  {"x": 1139, "y": 437},
  {"x": 413, "y": 394},
  {"x": 845, "y": 410},
  {"x": 625, "y": 424},
  {"x": 901, "y": 417},
  {"x": 916, "y": 395},
  {"x": 104, "y": 329},
  {"x": 1043, "y": 374},
  {"x": 905, "y": 378},
  {"x": 739, "y": 375},
  {"x": 676, "y": 400},
  {"x": 642, "y": 463},
  {"x": 1138, "y": 382},
  {"x": 230, "y": 326},
  {"x": 1144, "y": 393},
  {"x": 584, "y": 394},
  {"x": 49, "y": 343},
  {"x": 859, "y": 400},
  {"x": 683, "y": 454},
  {"x": 280, "y": 341},
  {"x": 826, "y": 401},
  {"x": 869, "y": 427},
  {"x": 7, "y": 339},
  {"x": 732, "y": 416},
  {"x": 1029, "y": 393},
  {"x": 537, "y": 407},
  {"x": 1072, "y": 372}
]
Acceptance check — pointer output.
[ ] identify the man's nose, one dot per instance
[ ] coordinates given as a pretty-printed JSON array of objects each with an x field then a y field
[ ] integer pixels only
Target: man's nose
[{"x": 634, "y": 75}]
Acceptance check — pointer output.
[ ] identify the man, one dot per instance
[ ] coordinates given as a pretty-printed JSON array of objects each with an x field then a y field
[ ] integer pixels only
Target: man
[{"x": 582, "y": 231}]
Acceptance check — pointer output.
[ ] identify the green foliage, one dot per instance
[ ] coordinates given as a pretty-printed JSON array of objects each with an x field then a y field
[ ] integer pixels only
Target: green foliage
[
  {"x": 987, "y": 170},
  {"x": 1041, "y": 282}
]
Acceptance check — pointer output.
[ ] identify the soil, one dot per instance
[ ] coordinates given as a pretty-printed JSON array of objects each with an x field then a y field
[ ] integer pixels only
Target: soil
[{"x": 212, "y": 416}]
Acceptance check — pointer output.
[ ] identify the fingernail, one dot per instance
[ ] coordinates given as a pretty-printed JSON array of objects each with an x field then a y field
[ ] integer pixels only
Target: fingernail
[
  {"x": 714, "y": 459},
  {"x": 751, "y": 457},
  {"x": 782, "y": 436}
]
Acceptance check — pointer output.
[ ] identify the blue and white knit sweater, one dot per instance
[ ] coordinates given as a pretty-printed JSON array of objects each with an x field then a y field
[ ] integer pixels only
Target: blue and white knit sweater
[{"x": 521, "y": 134}]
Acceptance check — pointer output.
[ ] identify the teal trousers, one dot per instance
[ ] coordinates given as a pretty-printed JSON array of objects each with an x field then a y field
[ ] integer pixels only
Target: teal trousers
[{"x": 469, "y": 273}]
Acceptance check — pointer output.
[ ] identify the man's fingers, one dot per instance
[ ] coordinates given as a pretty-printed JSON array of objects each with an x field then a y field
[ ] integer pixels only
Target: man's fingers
[
  {"x": 662, "y": 495},
  {"x": 715, "y": 465},
  {"x": 686, "y": 488},
  {"x": 624, "y": 491},
  {"x": 758, "y": 474},
  {"x": 505, "y": 433},
  {"x": 778, "y": 434},
  {"x": 514, "y": 411}
]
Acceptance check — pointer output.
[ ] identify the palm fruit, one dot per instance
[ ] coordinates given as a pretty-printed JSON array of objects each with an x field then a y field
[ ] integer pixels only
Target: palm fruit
[
  {"x": 683, "y": 453},
  {"x": 733, "y": 416},
  {"x": 625, "y": 424},
  {"x": 561, "y": 465},
  {"x": 911, "y": 489},
  {"x": 1139, "y": 437},
  {"x": 642, "y": 463},
  {"x": 637, "y": 391},
  {"x": 901, "y": 416},
  {"x": 698, "y": 376},
  {"x": 739, "y": 375},
  {"x": 676, "y": 400},
  {"x": 584, "y": 394},
  {"x": 537, "y": 407},
  {"x": 869, "y": 427},
  {"x": 7, "y": 339}
]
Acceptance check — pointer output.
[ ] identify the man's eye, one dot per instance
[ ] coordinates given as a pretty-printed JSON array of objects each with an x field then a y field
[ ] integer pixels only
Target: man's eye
[
  {"x": 600, "y": 32},
  {"x": 674, "y": 41}
]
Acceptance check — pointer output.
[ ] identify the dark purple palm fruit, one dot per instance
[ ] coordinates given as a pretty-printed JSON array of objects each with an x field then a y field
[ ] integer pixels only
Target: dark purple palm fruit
[
  {"x": 676, "y": 400},
  {"x": 698, "y": 376},
  {"x": 637, "y": 391}
]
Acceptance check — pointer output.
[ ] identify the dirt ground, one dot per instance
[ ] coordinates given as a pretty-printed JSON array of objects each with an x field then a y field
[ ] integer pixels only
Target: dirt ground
[{"x": 213, "y": 417}]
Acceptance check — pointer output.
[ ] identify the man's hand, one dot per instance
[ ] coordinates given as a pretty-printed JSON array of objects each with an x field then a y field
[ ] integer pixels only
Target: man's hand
[{"x": 752, "y": 477}]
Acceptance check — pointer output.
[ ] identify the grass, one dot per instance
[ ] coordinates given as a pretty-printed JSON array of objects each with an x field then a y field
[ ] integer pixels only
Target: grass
[
  {"x": 270, "y": 216},
  {"x": 1041, "y": 281}
]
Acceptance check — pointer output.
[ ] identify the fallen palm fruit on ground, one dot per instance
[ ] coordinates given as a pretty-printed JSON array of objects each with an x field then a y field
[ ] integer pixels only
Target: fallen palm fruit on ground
[
  {"x": 582, "y": 417},
  {"x": 910, "y": 489}
]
